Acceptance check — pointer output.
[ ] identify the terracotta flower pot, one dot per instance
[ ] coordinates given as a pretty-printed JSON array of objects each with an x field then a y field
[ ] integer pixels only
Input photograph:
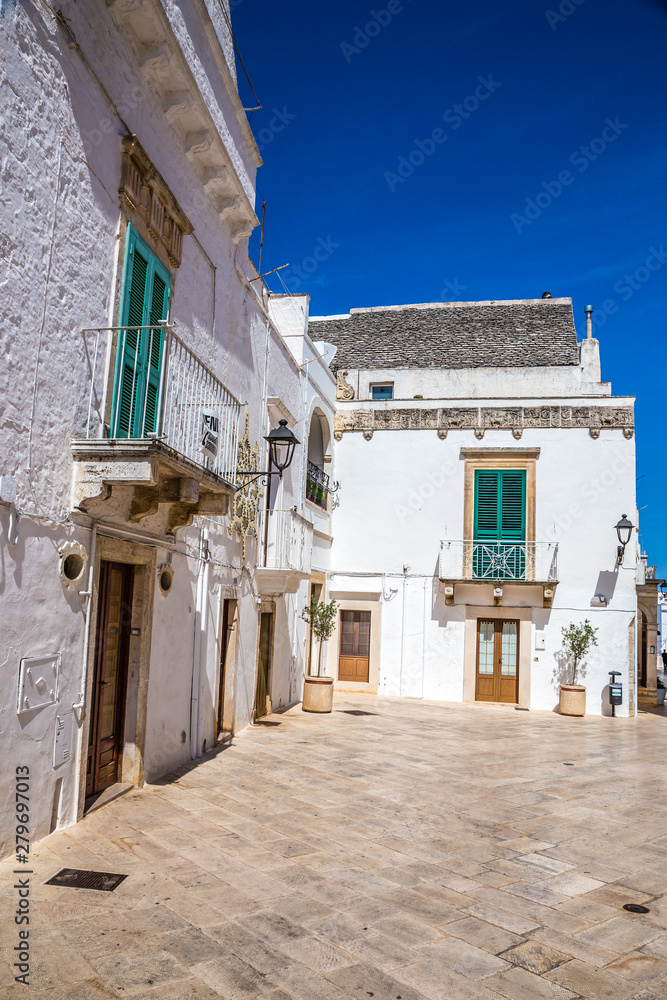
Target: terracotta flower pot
[
  {"x": 572, "y": 699},
  {"x": 317, "y": 694}
]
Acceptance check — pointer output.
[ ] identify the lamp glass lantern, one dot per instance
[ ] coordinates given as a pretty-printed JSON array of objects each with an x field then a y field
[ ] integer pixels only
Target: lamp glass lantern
[
  {"x": 624, "y": 529},
  {"x": 282, "y": 443}
]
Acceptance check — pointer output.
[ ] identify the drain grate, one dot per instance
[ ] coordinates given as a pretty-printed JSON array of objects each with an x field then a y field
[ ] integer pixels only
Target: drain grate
[
  {"x": 355, "y": 711},
  {"x": 77, "y": 878},
  {"x": 636, "y": 908}
]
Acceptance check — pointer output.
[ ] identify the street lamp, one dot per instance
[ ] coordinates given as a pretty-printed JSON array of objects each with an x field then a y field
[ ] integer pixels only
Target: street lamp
[
  {"x": 282, "y": 443},
  {"x": 624, "y": 530}
]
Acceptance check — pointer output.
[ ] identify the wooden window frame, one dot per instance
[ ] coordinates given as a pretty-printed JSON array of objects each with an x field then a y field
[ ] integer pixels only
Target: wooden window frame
[{"x": 499, "y": 459}]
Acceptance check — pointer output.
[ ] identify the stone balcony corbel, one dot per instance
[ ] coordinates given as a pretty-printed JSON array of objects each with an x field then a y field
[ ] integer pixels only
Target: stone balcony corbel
[{"x": 132, "y": 480}]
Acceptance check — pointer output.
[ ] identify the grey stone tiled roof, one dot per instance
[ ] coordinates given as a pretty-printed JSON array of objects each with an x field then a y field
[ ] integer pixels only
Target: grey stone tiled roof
[{"x": 516, "y": 333}]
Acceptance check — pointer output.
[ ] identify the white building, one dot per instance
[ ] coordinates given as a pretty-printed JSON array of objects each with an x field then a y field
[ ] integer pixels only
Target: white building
[
  {"x": 147, "y": 606},
  {"x": 483, "y": 466}
]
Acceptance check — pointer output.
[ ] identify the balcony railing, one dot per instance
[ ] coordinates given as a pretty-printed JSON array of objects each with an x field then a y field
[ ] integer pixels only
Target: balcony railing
[
  {"x": 499, "y": 561},
  {"x": 317, "y": 486},
  {"x": 164, "y": 392},
  {"x": 287, "y": 540}
]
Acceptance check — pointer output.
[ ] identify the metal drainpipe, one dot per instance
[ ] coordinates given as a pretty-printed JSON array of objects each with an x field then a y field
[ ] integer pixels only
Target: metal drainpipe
[
  {"x": 84, "y": 667},
  {"x": 400, "y": 675},
  {"x": 199, "y": 650},
  {"x": 424, "y": 631}
]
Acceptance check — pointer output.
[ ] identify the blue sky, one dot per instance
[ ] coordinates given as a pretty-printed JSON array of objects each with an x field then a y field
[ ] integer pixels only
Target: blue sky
[{"x": 431, "y": 150}]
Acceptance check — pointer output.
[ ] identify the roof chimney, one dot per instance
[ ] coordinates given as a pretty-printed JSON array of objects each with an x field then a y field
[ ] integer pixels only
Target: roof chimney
[{"x": 589, "y": 321}]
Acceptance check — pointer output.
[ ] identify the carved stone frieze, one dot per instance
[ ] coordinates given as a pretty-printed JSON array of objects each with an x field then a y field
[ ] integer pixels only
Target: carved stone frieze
[
  {"x": 483, "y": 418},
  {"x": 459, "y": 417},
  {"x": 501, "y": 417}
]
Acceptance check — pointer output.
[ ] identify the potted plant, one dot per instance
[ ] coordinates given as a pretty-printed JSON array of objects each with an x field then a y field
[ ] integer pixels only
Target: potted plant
[
  {"x": 318, "y": 690},
  {"x": 577, "y": 641},
  {"x": 662, "y": 690}
]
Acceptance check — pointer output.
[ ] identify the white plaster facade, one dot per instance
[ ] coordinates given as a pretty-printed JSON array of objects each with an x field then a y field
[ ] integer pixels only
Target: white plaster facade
[
  {"x": 77, "y": 86},
  {"x": 402, "y": 465}
]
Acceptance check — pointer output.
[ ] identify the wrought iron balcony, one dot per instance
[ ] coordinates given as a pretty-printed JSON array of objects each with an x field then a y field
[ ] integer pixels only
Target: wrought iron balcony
[
  {"x": 499, "y": 562},
  {"x": 169, "y": 428},
  {"x": 317, "y": 486},
  {"x": 286, "y": 544}
]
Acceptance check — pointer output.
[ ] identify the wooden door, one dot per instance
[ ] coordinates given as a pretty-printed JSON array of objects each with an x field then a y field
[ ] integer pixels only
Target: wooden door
[
  {"x": 262, "y": 694},
  {"x": 355, "y": 645},
  {"x": 109, "y": 683},
  {"x": 497, "y": 661},
  {"x": 225, "y": 710}
]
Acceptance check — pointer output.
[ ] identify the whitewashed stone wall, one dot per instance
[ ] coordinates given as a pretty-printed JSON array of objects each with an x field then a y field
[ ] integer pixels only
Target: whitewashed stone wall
[{"x": 68, "y": 98}]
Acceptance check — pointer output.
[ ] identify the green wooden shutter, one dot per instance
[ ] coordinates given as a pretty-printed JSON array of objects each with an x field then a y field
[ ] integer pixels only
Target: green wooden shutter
[
  {"x": 500, "y": 519},
  {"x": 500, "y": 504},
  {"x": 158, "y": 311},
  {"x": 513, "y": 505},
  {"x": 487, "y": 495},
  {"x": 129, "y": 372},
  {"x": 144, "y": 301}
]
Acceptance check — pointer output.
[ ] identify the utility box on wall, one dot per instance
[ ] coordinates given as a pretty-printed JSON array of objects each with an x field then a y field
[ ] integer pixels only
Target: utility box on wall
[
  {"x": 62, "y": 743},
  {"x": 38, "y": 682}
]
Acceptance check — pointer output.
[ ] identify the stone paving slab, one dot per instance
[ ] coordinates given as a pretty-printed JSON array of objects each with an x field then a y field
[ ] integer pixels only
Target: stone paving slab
[{"x": 428, "y": 852}]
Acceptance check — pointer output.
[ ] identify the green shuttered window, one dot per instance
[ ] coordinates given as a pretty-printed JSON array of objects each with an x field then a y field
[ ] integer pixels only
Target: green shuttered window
[
  {"x": 144, "y": 303},
  {"x": 498, "y": 552},
  {"x": 500, "y": 504}
]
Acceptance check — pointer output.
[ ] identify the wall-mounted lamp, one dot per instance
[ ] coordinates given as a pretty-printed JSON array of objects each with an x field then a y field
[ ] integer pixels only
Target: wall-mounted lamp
[
  {"x": 624, "y": 530},
  {"x": 282, "y": 443}
]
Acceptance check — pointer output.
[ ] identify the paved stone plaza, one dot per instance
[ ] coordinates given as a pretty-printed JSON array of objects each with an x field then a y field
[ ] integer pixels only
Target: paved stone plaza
[{"x": 419, "y": 851}]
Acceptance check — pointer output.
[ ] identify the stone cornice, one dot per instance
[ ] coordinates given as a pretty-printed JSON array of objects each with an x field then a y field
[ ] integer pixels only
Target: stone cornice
[
  {"x": 190, "y": 107},
  {"x": 482, "y": 418}
]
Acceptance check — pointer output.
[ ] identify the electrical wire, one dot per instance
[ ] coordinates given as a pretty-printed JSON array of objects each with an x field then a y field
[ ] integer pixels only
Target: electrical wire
[{"x": 238, "y": 53}]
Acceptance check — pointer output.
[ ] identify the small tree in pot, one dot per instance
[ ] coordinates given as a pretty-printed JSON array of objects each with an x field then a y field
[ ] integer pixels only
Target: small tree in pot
[
  {"x": 577, "y": 641},
  {"x": 322, "y": 620},
  {"x": 318, "y": 690}
]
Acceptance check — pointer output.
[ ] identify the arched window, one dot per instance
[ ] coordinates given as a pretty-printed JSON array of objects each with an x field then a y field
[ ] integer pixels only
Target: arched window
[{"x": 317, "y": 480}]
